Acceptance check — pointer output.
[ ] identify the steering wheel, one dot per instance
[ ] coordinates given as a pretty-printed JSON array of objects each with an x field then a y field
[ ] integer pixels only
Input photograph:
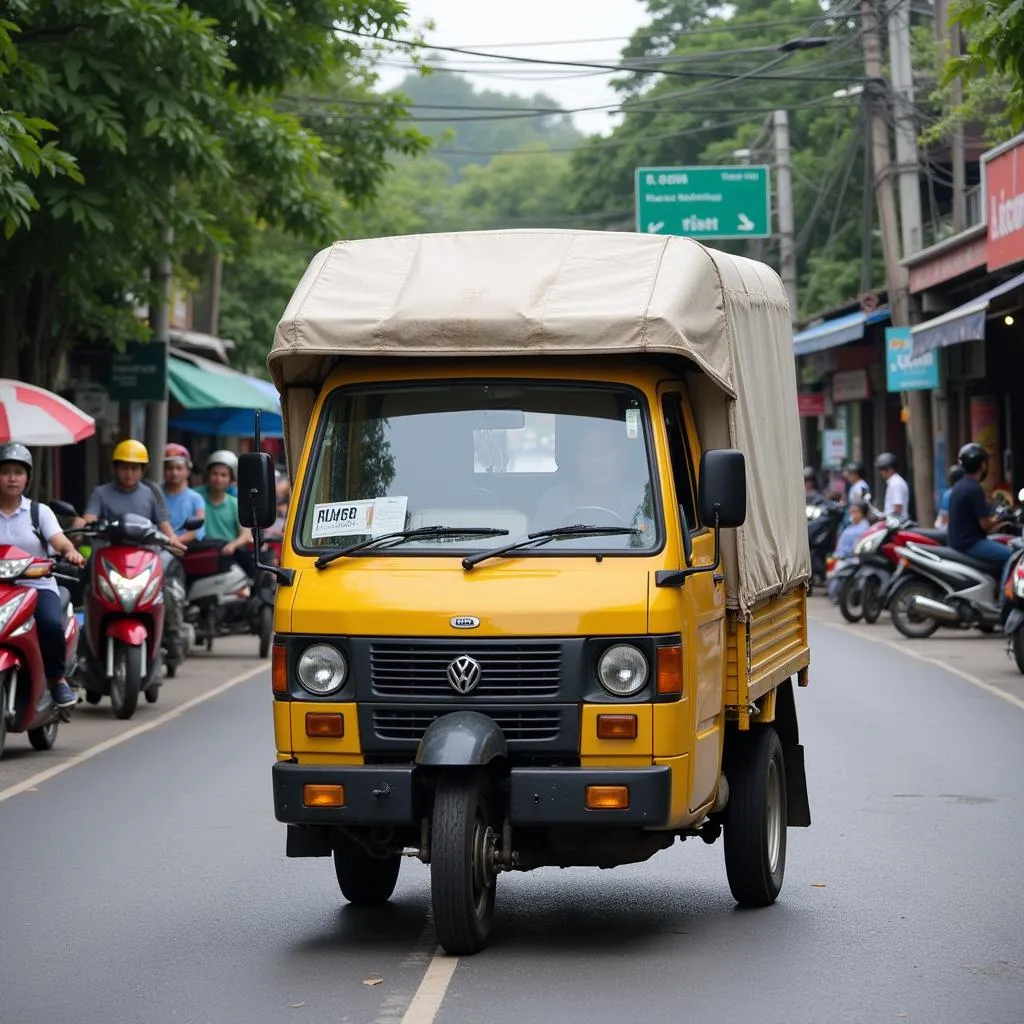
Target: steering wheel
[{"x": 570, "y": 514}]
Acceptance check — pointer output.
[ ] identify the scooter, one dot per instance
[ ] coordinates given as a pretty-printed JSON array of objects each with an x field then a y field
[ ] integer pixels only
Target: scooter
[
  {"x": 823, "y": 519},
  {"x": 121, "y": 653},
  {"x": 937, "y": 586},
  {"x": 1013, "y": 604},
  {"x": 25, "y": 701},
  {"x": 221, "y": 600}
]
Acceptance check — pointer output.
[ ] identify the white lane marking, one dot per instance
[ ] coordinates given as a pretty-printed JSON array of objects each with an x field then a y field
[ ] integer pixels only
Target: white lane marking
[
  {"x": 896, "y": 646},
  {"x": 44, "y": 776},
  {"x": 429, "y": 996}
]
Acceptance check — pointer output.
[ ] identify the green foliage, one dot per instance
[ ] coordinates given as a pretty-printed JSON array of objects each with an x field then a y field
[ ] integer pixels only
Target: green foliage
[{"x": 167, "y": 115}]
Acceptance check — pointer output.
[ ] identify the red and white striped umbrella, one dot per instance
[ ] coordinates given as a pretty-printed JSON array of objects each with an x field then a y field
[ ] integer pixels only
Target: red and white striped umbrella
[{"x": 35, "y": 416}]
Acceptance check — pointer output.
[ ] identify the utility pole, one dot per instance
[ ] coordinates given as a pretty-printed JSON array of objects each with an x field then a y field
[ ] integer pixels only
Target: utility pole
[
  {"x": 784, "y": 198},
  {"x": 160, "y": 321},
  {"x": 947, "y": 35},
  {"x": 877, "y": 94}
]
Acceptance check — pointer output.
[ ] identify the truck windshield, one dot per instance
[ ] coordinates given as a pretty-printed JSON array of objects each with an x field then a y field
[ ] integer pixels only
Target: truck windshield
[{"x": 510, "y": 456}]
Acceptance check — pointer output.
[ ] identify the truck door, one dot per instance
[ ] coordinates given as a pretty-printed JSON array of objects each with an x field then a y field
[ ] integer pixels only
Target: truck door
[{"x": 701, "y": 602}]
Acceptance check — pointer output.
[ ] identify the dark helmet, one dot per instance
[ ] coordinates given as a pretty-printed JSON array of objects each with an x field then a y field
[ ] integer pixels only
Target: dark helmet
[
  {"x": 886, "y": 461},
  {"x": 972, "y": 457},
  {"x": 11, "y": 451},
  {"x": 956, "y": 473},
  {"x": 854, "y": 467},
  {"x": 809, "y": 474}
]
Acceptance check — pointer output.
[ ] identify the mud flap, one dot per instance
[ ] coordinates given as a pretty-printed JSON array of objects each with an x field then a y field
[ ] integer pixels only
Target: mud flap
[{"x": 798, "y": 805}]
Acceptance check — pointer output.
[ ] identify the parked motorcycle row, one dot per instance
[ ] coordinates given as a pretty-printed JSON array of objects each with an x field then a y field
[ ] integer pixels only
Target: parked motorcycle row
[
  {"x": 910, "y": 573},
  {"x": 114, "y": 616}
]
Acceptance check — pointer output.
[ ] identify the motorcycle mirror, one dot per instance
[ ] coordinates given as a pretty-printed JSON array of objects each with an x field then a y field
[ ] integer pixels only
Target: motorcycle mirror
[
  {"x": 192, "y": 524},
  {"x": 62, "y": 508}
]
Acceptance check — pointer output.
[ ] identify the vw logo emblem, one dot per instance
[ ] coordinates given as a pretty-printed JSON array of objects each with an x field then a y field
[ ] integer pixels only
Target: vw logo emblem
[{"x": 463, "y": 674}]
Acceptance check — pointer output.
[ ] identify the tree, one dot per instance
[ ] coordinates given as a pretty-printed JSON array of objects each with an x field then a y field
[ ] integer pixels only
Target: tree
[{"x": 168, "y": 115}]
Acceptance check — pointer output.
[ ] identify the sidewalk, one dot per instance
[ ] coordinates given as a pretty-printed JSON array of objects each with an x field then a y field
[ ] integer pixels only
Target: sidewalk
[{"x": 975, "y": 657}]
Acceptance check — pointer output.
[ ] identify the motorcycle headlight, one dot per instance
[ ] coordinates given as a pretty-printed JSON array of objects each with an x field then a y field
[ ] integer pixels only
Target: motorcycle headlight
[
  {"x": 814, "y": 512},
  {"x": 322, "y": 669},
  {"x": 12, "y": 568},
  {"x": 128, "y": 588},
  {"x": 622, "y": 670},
  {"x": 9, "y": 608},
  {"x": 869, "y": 543}
]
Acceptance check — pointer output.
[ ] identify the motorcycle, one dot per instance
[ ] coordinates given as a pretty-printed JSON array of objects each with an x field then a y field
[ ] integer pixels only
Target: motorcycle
[
  {"x": 937, "y": 586},
  {"x": 221, "y": 600},
  {"x": 121, "y": 651},
  {"x": 875, "y": 562},
  {"x": 823, "y": 519},
  {"x": 1013, "y": 604},
  {"x": 25, "y": 701}
]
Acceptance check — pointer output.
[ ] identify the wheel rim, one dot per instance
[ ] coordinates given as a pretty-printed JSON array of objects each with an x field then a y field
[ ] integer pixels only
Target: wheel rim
[
  {"x": 773, "y": 816},
  {"x": 902, "y": 605},
  {"x": 482, "y": 867},
  {"x": 118, "y": 681},
  {"x": 50, "y": 732}
]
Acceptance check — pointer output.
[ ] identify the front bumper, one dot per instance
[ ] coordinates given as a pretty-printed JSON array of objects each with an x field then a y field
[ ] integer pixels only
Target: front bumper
[{"x": 391, "y": 795}]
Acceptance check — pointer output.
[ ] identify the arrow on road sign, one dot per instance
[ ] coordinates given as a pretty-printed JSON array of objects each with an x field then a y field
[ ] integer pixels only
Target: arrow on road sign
[
  {"x": 746, "y": 224},
  {"x": 654, "y": 226}
]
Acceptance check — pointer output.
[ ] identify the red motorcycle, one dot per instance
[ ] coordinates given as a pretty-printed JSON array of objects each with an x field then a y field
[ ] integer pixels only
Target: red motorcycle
[
  {"x": 25, "y": 701},
  {"x": 121, "y": 654}
]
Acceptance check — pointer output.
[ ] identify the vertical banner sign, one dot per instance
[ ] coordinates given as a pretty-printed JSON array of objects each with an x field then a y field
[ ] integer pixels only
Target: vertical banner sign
[
  {"x": 985, "y": 430},
  {"x": 904, "y": 373},
  {"x": 1004, "y": 193}
]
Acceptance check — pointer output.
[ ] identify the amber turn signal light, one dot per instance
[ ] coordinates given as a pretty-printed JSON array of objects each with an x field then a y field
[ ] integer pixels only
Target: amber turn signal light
[
  {"x": 616, "y": 727},
  {"x": 607, "y": 798},
  {"x": 323, "y": 796},
  {"x": 326, "y": 725},
  {"x": 670, "y": 670},
  {"x": 279, "y": 669}
]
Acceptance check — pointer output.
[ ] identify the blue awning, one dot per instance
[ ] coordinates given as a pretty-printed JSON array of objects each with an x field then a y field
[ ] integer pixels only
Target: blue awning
[
  {"x": 960, "y": 325},
  {"x": 228, "y": 422},
  {"x": 840, "y": 331}
]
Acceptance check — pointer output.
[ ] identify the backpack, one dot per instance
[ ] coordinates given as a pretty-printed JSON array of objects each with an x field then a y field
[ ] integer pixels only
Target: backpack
[{"x": 33, "y": 511}]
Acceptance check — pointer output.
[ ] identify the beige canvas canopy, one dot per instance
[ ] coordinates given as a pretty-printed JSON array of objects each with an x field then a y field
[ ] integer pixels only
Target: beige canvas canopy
[{"x": 568, "y": 293}]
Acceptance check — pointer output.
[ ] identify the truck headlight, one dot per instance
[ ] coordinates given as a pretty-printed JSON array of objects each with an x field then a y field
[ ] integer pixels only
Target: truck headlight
[
  {"x": 322, "y": 669},
  {"x": 622, "y": 670}
]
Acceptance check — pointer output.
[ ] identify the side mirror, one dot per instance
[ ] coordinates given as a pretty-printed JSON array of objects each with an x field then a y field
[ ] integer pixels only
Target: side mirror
[
  {"x": 62, "y": 508},
  {"x": 257, "y": 490},
  {"x": 722, "y": 495},
  {"x": 193, "y": 523}
]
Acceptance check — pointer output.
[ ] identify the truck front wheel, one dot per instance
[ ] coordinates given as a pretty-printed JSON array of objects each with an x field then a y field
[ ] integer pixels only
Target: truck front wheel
[
  {"x": 365, "y": 881},
  {"x": 755, "y": 824}
]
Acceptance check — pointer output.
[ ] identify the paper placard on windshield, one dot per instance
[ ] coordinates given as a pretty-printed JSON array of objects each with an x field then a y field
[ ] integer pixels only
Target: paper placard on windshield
[
  {"x": 632, "y": 424},
  {"x": 373, "y": 516}
]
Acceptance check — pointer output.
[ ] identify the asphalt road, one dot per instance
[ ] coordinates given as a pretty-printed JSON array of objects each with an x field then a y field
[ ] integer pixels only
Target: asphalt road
[{"x": 148, "y": 884}]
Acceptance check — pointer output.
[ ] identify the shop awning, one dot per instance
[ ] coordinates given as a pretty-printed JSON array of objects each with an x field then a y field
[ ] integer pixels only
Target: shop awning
[
  {"x": 841, "y": 331},
  {"x": 960, "y": 325},
  {"x": 219, "y": 400}
]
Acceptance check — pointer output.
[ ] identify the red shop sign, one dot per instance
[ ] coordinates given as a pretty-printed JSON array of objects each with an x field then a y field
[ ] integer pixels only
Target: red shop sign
[
  {"x": 1004, "y": 194},
  {"x": 811, "y": 403}
]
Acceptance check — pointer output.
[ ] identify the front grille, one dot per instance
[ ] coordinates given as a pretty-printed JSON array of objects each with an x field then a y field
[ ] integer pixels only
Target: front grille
[
  {"x": 529, "y": 671},
  {"x": 532, "y": 725}
]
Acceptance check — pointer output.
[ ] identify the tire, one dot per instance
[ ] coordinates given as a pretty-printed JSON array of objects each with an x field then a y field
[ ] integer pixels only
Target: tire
[
  {"x": 462, "y": 883},
  {"x": 914, "y": 627},
  {"x": 152, "y": 693},
  {"x": 266, "y": 630},
  {"x": 127, "y": 680},
  {"x": 92, "y": 697},
  {"x": 365, "y": 881},
  {"x": 755, "y": 826},
  {"x": 171, "y": 668},
  {"x": 45, "y": 736},
  {"x": 3, "y": 711},
  {"x": 1018, "y": 647},
  {"x": 850, "y": 605},
  {"x": 872, "y": 599}
]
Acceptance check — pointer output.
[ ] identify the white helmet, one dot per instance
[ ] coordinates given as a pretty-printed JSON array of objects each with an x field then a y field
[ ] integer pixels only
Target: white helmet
[{"x": 224, "y": 458}]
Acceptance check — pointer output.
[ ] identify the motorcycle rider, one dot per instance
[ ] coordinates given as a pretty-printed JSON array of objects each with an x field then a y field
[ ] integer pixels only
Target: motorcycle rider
[
  {"x": 897, "y": 490},
  {"x": 17, "y": 528},
  {"x": 811, "y": 492},
  {"x": 129, "y": 493},
  {"x": 970, "y": 518},
  {"x": 222, "y": 523},
  {"x": 183, "y": 502}
]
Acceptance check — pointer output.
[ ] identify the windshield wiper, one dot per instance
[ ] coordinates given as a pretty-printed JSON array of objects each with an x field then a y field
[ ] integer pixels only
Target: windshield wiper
[
  {"x": 541, "y": 537},
  {"x": 391, "y": 539}
]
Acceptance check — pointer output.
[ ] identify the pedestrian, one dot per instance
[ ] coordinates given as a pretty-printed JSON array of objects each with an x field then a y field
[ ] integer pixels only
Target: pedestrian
[
  {"x": 970, "y": 518},
  {"x": 811, "y": 493},
  {"x": 34, "y": 528},
  {"x": 183, "y": 503},
  {"x": 897, "y": 490},
  {"x": 942, "y": 519},
  {"x": 222, "y": 523},
  {"x": 857, "y": 489}
]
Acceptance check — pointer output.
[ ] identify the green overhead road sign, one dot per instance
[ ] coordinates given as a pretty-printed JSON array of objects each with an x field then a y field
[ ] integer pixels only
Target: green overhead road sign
[{"x": 704, "y": 202}]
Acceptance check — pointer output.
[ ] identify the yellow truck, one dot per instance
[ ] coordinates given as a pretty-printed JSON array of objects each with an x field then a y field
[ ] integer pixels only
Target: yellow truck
[{"x": 542, "y": 595}]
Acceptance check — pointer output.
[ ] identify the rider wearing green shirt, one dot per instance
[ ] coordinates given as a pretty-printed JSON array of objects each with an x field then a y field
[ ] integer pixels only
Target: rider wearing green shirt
[{"x": 222, "y": 510}]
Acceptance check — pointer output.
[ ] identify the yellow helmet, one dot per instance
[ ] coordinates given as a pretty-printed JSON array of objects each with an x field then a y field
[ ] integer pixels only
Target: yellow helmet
[{"x": 131, "y": 451}]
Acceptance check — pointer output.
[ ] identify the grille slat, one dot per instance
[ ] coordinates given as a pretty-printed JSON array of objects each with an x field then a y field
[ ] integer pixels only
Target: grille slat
[
  {"x": 409, "y": 725},
  {"x": 507, "y": 670}
]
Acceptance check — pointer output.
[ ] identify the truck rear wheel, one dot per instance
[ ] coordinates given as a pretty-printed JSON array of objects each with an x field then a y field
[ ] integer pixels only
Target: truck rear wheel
[
  {"x": 755, "y": 825},
  {"x": 365, "y": 881},
  {"x": 462, "y": 876}
]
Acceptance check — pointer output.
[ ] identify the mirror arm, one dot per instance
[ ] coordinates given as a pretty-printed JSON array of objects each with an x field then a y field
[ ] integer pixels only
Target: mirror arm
[
  {"x": 286, "y": 577},
  {"x": 678, "y": 577}
]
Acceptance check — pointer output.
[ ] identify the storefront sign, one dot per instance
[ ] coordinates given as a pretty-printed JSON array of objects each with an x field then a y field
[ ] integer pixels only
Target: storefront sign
[
  {"x": 811, "y": 403},
  {"x": 950, "y": 263},
  {"x": 833, "y": 448},
  {"x": 139, "y": 373},
  {"x": 1004, "y": 196},
  {"x": 903, "y": 372},
  {"x": 850, "y": 386}
]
